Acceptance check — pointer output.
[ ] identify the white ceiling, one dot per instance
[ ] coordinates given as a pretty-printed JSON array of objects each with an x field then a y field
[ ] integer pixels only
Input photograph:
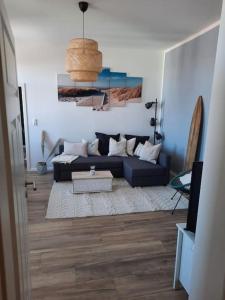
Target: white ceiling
[{"x": 132, "y": 23}]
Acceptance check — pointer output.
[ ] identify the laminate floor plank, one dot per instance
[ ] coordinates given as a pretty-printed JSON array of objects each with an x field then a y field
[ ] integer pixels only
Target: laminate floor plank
[{"x": 124, "y": 257}]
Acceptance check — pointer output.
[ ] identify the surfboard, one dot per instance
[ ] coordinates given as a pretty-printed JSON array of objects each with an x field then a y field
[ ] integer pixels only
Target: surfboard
[{"x": 194, "y": 134}]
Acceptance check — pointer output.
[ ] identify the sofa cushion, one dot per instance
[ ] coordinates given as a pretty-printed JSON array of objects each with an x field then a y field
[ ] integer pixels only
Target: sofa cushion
[
  {"x": 137, "y": 151},
  {"x": 130, "y": 146},
  {"x": 100, "y": 162},
  {"x": 117, "y": 148},
  {"x": 92, "y": 147},
  {"x": 103, "y": 145},
  {"x": 140, "y": 168},
  {"x": 77, "y": 149},
  {"x": 139, "y": 139},
  {"x": 150, "y": 152}
]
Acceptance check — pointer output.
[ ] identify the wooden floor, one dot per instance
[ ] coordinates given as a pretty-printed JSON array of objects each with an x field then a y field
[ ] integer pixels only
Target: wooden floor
[{"x": 127, "y": 257}]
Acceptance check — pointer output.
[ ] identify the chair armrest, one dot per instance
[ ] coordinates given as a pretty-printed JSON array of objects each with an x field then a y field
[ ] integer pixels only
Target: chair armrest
[{"x": 176, "y": 183}]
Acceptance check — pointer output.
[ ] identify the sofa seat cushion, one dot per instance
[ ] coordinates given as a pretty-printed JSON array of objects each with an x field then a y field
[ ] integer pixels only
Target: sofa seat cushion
[
  {"x": 140, "y": 168},
  {"x": 100, "y": 162}
]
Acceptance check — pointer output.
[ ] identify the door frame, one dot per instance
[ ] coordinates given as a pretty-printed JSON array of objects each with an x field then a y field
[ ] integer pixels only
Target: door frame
[
  {"x": 14, "y": 269},
  {"x": 26, "y": 123}
]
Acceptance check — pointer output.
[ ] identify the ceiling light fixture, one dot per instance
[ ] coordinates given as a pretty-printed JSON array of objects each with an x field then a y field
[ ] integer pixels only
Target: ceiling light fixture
[{"x": 83, "y": 60}]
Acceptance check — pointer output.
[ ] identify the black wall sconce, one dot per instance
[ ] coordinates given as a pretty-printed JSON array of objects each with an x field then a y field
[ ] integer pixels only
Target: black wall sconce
[{"x": 153, "y": 121}]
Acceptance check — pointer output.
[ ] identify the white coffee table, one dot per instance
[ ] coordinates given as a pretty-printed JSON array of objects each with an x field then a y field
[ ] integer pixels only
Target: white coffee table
[{"x": 84, "y": 182}]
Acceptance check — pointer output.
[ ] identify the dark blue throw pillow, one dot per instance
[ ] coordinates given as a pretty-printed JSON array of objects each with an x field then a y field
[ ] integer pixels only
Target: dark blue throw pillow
[{"x": 103, "y": 146}]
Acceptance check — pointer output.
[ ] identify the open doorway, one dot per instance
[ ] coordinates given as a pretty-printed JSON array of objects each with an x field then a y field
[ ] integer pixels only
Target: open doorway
[{"x": 22, "y": 125}]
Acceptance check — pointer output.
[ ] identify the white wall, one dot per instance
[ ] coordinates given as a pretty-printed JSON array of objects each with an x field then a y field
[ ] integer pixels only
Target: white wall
[
  {"x": 208, "y": 278},
  {"x": 38, "y": 65},
  {"x": 188, "y": 73}
]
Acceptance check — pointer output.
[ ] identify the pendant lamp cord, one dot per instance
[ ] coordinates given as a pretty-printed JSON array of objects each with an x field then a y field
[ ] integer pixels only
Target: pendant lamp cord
[{"x": 83, "y": 32}]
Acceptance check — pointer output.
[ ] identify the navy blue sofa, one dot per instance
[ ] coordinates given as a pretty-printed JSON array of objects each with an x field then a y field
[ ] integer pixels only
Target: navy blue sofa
[{"x": 136, "y": 172}]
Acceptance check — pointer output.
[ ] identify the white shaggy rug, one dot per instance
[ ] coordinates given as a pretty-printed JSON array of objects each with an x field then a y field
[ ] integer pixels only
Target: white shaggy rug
[{"x": 122, "y": 200}]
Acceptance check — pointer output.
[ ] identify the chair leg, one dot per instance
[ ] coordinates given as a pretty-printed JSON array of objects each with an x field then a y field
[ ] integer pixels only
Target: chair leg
[
  {"x": 174, "y": 195},
  {"x": 181, "y": 194}
]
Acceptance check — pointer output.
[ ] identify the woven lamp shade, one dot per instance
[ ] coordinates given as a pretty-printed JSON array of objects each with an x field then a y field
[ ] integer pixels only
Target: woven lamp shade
[{"x": 83, "y": 60}]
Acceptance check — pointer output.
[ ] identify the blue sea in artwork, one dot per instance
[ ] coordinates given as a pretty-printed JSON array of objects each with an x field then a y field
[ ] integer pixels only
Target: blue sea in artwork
[
  {"x": 106, "y": 80},
  {"x": 106, "y": 73},
  {"x": 117, "y": 79}
]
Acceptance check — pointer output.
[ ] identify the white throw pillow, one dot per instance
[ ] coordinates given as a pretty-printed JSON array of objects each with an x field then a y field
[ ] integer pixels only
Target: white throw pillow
[
  {"x": 117, "y": 148},
  {"x": 150, "y": 152},
  {"x": 93, "y": 147},
  {"x": 79, "y": 149},
  {"x": 138, "y": 149},
  {"x": 130, "y": 146}
]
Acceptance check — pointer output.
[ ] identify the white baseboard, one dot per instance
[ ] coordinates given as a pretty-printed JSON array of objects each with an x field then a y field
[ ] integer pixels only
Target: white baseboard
[{"x": 33, "y": 169}]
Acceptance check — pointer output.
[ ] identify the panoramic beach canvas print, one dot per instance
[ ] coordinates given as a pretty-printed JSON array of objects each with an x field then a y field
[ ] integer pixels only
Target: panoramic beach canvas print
[{"x": 110, "y": 90}]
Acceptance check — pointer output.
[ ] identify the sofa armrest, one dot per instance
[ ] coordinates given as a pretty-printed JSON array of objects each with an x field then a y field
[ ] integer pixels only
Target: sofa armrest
[
  {"x": 61, "y": 148},
  {"x": 164, "y": 160}
]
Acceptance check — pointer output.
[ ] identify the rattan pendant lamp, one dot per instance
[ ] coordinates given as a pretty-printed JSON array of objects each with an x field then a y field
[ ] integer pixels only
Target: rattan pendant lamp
[{"x": 83, "y": 60}]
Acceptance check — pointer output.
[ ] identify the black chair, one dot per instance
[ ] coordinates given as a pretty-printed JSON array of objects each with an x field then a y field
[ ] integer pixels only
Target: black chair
[{"x": 181, "y": 188}]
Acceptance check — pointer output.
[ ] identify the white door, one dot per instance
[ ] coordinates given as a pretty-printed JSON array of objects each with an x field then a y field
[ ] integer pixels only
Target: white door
[{"x": 14, "y": 272}]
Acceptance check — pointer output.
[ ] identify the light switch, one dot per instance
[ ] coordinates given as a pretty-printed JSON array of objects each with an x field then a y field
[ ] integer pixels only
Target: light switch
[{"x": 35, "y": 122}]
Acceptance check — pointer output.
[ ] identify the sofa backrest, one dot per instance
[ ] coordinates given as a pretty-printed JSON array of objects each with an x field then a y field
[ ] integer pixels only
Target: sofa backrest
[{"x": 164, "y": 160}]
